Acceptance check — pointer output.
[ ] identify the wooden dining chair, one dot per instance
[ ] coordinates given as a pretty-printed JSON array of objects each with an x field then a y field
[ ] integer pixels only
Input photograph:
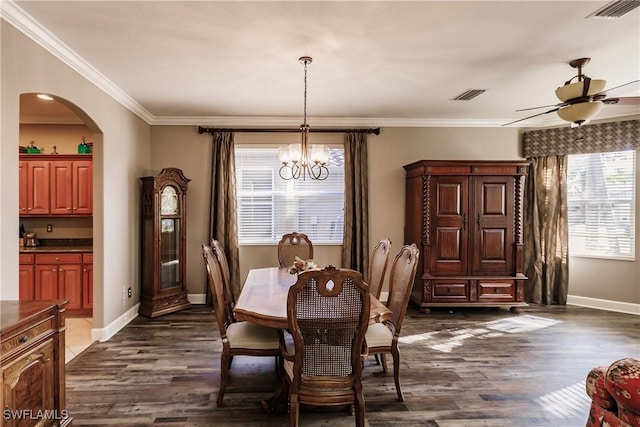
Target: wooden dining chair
[
  {"x": 292, "y": 245},
  {"x": 238, "y": 338},
  {"x": 328, "y": 314},
  {"x": 378, "y": 266},
  {"x": 229, "y": 297},
  {"x": 382, "y": 338}
]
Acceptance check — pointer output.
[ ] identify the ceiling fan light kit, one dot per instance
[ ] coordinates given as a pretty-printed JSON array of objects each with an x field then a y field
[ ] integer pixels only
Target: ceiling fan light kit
[
  {"x": 580, "y": 113},
  {"x": 576, "y": 90}
]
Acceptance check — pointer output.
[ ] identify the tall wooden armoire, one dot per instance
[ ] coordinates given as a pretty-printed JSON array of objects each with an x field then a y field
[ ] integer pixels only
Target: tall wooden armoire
[
  {"x": 466, "y": 217},
  {"x": 163, "y": 241}
]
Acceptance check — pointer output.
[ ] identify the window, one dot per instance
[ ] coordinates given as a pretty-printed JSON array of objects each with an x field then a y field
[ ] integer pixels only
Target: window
[
  {"x": 269, "y": 206},
  {"x": 601, "y": 204}
]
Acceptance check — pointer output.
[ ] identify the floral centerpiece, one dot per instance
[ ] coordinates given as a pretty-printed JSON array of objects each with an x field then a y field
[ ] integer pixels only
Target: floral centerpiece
[{"x": 300, "y": 265}]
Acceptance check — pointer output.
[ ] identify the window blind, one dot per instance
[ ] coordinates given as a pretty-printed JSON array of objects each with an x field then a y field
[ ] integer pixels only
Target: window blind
[
  {"x": 269, "y": 206},
  {"x": 601, "y": 204}
]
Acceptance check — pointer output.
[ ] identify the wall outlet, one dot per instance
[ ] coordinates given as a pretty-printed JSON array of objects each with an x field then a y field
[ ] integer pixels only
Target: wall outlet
[
  {"x": 129, "y": 293},
  {"x": 49, "y": 228}
]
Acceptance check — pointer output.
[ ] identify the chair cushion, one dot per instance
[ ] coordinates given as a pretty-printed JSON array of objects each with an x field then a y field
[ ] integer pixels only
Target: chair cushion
[
  {"x": 379, "y": 335},
  {"x": 250, "y": 335}
]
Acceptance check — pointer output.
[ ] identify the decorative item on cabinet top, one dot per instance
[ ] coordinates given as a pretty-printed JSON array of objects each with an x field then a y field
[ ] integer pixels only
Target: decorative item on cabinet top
[{"x": 83, "y": 147}]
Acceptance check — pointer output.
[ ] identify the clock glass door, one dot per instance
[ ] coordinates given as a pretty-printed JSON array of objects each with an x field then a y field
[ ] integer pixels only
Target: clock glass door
[{"x": 170, "y": 238}]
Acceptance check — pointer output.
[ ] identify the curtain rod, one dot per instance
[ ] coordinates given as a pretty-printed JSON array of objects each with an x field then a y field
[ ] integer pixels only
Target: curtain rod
[{"x": 201, "y": 130}]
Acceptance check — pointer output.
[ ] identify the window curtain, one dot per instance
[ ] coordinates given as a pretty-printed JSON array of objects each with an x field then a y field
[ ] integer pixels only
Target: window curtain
[
  {"x": 223, "y": 224},
  {"x": 355, "y": 247},
  {"x": 546, "y": 233},
  {"x": 545, "y": 230}
]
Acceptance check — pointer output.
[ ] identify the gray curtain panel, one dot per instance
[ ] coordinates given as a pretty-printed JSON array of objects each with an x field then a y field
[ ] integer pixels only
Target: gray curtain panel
[
  {"x": 223, "y": 225},
  {"x": 355, "y": 247}
]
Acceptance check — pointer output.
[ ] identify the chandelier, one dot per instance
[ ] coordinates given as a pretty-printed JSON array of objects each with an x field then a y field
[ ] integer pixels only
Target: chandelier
[{"x": 301, "y": 160}]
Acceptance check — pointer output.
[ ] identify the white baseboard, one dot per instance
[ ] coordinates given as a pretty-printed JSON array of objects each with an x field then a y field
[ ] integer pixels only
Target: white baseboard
[
  {"x": 603, "y": 304},
  {"x": 112, "y": 328},
  {"x": 197, "y": 298}
]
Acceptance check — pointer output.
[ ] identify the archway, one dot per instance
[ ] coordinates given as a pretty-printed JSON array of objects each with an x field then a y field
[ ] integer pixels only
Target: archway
[{"x": 57, "y": 126}]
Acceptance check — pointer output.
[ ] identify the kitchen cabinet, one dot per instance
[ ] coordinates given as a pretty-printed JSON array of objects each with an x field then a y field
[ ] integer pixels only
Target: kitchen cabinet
[
  {"x": 467, "y": 219},
  {"x": 26, "y": 280},
  {"x": 32, "y": 363},
  {"x": 87, "y": 281},
  {"x": 59, "y": 276},
  {"x": 65, "y": 181},
  {"x": 163, "y": 240},
  {"x": 33, "y": 179}
]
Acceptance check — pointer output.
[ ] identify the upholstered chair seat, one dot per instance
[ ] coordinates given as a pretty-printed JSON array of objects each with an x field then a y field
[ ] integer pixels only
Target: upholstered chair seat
[
  {"x": 379, "y": 335},
  {"x": 250, "y": 335}
]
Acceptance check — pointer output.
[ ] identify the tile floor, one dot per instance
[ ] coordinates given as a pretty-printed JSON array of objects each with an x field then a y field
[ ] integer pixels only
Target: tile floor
[{"x": 77, "y": 336}]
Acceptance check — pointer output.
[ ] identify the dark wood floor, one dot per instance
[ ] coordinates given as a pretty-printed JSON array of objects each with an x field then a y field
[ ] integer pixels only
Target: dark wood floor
[{"x": 464, "y": 367}]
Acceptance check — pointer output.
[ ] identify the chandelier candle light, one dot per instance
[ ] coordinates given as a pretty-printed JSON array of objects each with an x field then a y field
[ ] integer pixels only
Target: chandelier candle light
[{"x": 300, "y": 160}]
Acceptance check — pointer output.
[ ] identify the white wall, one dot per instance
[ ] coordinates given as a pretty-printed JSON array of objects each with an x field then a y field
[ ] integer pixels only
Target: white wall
[{"x": 121, "y": 155}]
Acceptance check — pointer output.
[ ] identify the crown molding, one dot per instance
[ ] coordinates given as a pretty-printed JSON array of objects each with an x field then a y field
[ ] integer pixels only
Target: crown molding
[
  {"x": 24, "y": 23},
  {"x": 317, "y": 122}
]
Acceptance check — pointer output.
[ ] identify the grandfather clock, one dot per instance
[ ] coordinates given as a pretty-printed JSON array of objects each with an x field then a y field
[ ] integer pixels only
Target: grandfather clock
[{"x": 163, "y": 257}]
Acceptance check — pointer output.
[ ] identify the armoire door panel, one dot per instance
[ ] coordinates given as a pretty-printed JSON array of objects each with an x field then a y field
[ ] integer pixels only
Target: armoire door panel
[
  {"x": 494, "y": 199},
  {"x": 493, "y": 237},
  {"x": 493, "y": 244},
  {"x": 449, "y": 225},
  {"x": 449, "y": 199}
]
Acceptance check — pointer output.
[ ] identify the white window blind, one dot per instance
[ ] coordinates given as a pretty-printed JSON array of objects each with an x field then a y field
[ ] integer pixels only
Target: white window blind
[
  {"x": 269, "y": 206},
  {"x": 601, "y": 204}
]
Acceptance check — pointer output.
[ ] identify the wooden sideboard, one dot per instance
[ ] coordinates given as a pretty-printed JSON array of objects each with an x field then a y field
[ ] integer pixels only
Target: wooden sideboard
[{"x": 32, "y": 363}]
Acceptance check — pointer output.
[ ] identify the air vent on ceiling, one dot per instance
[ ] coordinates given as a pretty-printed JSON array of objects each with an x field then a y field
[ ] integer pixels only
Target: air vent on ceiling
[
  {"x": 469, "y": 94},
  {"x": 615, "y": 9}
]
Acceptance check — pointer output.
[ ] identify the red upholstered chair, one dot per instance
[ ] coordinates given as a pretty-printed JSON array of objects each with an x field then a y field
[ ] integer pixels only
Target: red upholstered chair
[{"x": 615, "y": 394}]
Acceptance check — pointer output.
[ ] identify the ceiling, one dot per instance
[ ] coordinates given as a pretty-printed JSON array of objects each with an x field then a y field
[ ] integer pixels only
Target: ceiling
[{"x": 375, "y": 63}]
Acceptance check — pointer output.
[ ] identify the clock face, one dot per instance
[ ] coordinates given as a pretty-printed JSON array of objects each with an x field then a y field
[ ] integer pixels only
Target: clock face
[{"x": 169, "y": 201}]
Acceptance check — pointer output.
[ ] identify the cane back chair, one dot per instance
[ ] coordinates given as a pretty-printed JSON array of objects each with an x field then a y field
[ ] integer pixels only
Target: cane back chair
[
  {"x": 292, "y": 245},
  {"x": 382, "y": 338},
  {"x": 238, "y": 338},
  {"x": 328, "y": 315},
  {"x": 378, "y": 266},
  {"x": 229, "y": 296}
]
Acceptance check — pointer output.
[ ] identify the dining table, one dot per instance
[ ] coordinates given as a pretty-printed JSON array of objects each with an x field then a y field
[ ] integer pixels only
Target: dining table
[{"x": 263, "y": 299}]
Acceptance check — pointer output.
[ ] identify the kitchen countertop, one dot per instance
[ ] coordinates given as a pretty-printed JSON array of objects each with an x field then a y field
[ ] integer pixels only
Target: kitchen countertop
[{"x": 46, "y": 249}]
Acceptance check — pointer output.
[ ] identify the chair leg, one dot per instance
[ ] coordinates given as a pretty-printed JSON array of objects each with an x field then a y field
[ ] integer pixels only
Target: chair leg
[
  {"x": 383, "y": 360},
  {"x": 230, "y": 361},
  {"x": 294, "y": 411},
  {"x": 359, "y": 408},
  {"x": 225, "y": 363},
  {"x": 396, "y": 371},
  {"x": 377, "y": 358}
]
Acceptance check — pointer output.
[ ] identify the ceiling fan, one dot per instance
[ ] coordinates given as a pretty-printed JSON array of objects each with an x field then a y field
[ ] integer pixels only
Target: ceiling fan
[{"x": 584, "y": 98}]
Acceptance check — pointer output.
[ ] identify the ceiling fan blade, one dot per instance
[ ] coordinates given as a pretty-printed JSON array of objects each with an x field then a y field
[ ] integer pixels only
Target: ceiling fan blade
[
  {"x": 625, "y": 100},
  {"x": 631, "y": 87},
  {"x": 542, "y": 106},
  {"x": 530, "y": 117}
]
